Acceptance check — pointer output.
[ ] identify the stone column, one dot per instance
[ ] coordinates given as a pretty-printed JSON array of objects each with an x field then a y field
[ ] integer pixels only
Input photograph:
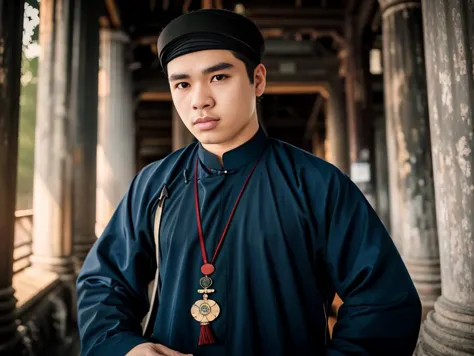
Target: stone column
[
  {"x": 84, "y": 106},
  {"x": 448, "y": 28},
  {"x": 53, "y": 176},
  {"x": 407, "y": 124},
  {"x": 359, "y": 110},
  {"x": 181, "y": 135},
  {"x": 336, "y": 126},
  {"x": 11, "y": 30},
  {"x": 381, "y": 166},
  {"x": 116, "y": 137}
]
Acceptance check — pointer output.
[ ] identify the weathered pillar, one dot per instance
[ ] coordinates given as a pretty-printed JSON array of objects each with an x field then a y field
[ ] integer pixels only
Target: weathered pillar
[
  {"x": 181, "y": 135},
  {"x": 336, "y": 126},
  {"x": 359, "y": 110},
  {"x": 53, "y": 175},
  {"x": 84, "y": 106},
  {"x": 381, "y": 168},
  {"x": 11, "y": 29},
  {"x": 448, "y": 28},
  {"x": 408, "y": 126},
  {"x": 116, "y": 137}
]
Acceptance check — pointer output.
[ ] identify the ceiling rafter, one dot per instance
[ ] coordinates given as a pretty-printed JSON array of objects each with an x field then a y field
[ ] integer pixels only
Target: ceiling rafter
[{"x": 113, "y": 12}]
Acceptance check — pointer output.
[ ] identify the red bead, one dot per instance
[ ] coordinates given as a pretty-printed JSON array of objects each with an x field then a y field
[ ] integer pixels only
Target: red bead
[{"x": 207, "y": 269}]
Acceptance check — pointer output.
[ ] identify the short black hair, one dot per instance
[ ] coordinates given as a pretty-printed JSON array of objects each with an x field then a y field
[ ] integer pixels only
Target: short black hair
[{"x": 249, "y": 64}]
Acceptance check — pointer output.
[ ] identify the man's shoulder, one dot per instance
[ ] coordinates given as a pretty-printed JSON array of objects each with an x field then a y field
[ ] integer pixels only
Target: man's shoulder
[
  {"x": 304, "y": 160},
  {"x": 164, "y": 170},
  {"x": 316, "y": 174}
]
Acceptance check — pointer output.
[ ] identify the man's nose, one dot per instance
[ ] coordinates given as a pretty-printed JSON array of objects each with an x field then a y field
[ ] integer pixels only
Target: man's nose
[{"x": 202, "y": 99}]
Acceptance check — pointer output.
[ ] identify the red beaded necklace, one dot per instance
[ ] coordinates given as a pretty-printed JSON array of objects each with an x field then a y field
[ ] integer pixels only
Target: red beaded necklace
[{"x": 206, "y": 310}]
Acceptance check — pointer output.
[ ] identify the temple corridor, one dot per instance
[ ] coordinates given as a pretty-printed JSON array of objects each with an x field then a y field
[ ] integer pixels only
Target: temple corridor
[{"x": 384, "y": 90}]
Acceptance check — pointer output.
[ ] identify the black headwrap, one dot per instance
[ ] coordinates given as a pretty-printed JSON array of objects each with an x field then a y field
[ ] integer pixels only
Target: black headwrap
[{"x": 210, "y": 29}]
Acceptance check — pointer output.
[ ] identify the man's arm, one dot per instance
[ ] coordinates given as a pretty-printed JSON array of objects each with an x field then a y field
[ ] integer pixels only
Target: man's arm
[
  {"x": 112, "y": 284},
  {"x": 381, "y": 311}
]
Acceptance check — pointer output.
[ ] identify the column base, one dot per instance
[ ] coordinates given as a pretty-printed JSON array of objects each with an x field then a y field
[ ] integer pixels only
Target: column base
[
  {"x": 9, "y": 336},
  {"x": 426, "y": 275},
  {"x": 81, "y": 248},
  {"x": 63, "y": 266},
  {"x": 448, "y": 330}
]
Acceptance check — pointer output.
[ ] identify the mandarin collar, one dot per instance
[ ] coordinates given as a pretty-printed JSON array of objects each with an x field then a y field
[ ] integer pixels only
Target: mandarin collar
[{"x": 238, "y": 157}]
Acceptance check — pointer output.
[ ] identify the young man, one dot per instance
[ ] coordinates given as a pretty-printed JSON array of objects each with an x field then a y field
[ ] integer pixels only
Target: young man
[{"x": 255, "y": 236}]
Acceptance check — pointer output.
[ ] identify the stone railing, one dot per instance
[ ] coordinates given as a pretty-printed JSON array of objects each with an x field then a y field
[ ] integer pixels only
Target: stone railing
[
  {"x": 23, "y": 240},
  {"x": 43, "y": 303}
]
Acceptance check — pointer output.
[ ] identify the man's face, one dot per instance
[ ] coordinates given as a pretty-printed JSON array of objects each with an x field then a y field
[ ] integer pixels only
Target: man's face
[{"x": 213, "y": 94}]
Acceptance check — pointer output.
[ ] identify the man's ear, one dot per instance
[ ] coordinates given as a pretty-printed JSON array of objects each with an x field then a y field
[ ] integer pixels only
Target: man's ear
[{"x": 260, "y": 79}]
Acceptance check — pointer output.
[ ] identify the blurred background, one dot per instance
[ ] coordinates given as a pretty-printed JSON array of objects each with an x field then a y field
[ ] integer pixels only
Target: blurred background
[{"x": 382, "y": 89}]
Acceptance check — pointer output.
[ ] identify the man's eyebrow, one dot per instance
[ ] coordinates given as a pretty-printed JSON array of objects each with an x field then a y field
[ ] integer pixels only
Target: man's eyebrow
[
  {"x": 174, "y": 77},
  {"x": 215, "y": 68}
]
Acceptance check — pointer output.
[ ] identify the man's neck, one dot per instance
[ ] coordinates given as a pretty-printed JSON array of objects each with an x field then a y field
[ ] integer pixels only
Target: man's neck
[{"x": 242, "y": 137}]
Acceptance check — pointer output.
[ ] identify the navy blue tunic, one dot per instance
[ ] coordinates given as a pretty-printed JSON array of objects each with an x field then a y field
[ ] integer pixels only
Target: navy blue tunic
[{"x": 302, "y": 232}]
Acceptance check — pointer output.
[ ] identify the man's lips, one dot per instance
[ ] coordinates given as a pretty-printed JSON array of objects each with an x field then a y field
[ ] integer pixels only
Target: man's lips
[{"x": 206, "y": 123}]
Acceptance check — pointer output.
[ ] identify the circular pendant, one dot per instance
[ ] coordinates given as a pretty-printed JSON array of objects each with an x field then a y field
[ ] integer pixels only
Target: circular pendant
[
  {"x": 205, "y": 282},
  {"x": 207, "y": 269},
  {"x": 205, "y": 311}
]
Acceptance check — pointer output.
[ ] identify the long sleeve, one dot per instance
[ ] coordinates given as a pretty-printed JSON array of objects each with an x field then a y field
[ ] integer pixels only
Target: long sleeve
[
  {"x": 112, "y": 284},
  {"x": 381, "y": 311}
]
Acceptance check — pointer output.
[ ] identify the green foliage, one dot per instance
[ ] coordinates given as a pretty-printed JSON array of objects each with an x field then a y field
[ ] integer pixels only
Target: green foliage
[
  {"x": 27, "y": 134},
  {"x": 29, "y": 73}
]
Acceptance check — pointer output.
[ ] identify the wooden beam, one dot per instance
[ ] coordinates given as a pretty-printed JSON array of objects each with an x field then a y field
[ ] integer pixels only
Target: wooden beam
[
  {"x": 313, "y": 117},
  {"x": 206, "y": 4},
  {"x": 155, "y": 96},
  {"x": 366, "y": 14},
  {"x": 304, "y": 17},
  {"x": 327, "y": 23},
  {"x": 276, "y": 88},
  {"x": 271, "y": 32},
  {"x": 377, "y": 20},
  {"x": 308, "y": 70},
  {"x": 273, "y": 88},
  {"x": 289, "y": 11},
  {"x": 112, "y": 9}
]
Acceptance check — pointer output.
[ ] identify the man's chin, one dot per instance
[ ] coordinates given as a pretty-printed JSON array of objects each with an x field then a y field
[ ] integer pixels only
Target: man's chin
[{"x": 210, "y": 138}]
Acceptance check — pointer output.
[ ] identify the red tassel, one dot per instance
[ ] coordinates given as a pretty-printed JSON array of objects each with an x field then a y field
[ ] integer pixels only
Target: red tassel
[{"x": 206, "y": 337}]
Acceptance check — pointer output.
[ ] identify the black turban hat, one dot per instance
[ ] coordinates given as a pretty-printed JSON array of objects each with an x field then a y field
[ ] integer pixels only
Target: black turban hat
[{"x": 210, "y": 29}]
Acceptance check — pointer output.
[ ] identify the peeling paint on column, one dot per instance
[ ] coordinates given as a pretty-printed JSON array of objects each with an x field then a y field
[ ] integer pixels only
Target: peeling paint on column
[
  {"x": 449, "y": 40},
  {"x": 408, "y": 125},
  {"x": 453, "y": 138}
]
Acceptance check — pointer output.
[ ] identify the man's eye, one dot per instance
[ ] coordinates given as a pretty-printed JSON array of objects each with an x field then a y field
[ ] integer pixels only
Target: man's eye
[
  {"x": 182, "y": 85},
  {"x": 219, "y": 77}
]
